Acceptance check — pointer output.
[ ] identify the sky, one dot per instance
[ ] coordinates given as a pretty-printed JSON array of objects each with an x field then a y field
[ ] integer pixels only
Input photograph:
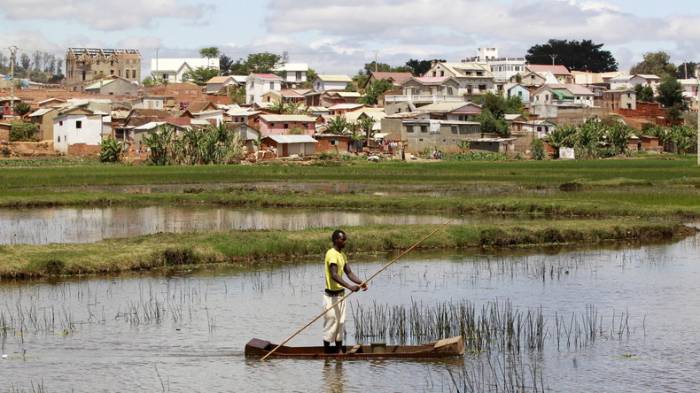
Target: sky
[{"x": 340, "y": 36}]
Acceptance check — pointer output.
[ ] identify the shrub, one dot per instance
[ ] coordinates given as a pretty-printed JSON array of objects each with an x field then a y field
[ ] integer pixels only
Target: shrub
[
  {"x": 21, "y": 131},
  {"x": 537, "y": 148},
  {"x": 111, "y": 150},
  {"x": 22, "y": 108}
]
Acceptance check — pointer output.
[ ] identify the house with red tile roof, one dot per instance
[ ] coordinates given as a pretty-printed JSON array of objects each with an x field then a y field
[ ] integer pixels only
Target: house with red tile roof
[{"x": 396, "y": 78}]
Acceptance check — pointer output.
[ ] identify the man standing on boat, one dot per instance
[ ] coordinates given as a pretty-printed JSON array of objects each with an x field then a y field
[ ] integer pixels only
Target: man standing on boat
[{"x": 336, "y": 263}]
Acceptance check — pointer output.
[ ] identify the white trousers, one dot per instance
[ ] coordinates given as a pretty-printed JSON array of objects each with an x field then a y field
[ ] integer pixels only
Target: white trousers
[{"x": 333, "y": 319}]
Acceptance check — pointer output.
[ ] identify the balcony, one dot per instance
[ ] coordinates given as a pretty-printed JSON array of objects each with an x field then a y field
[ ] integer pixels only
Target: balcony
[{"x": 422, "y": 99}]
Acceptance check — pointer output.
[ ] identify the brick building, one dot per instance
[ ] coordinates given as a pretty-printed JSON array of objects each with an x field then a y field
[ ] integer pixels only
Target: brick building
[{"x": 88, "y": 64}]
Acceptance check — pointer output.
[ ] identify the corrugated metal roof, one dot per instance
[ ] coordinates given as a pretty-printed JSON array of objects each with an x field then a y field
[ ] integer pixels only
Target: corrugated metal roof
[
  {"x": 335, "y": 78},
  {"x": 289, "y": 118},
  {"x": 292, "y": 138}
]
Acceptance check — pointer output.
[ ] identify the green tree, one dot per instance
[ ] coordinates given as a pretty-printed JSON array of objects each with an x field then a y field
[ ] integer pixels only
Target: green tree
[
  {"x": 160, "y": 145},
  {"x": 656, "y": 63},
  {"x": 499, "y": 105},
  {"x": 671, "y": 97},
  {"x": 366, "y": 125},
  {"x": 236, "y": 94},
  {"x": 375, "y": 90},
  {"x": 22, "y": 108},
  {"x": 200, "y": 75},
  {"x": 225, "y": 64},
  {"x": 537, "y": 149},
  {"x": 21, "y": 131},
  {"x": 209, "y": 53},
  {"x": 588, "y": 138},
  {"x": 687, "y": 70},
  {"x": 337, "y": 125},
  {"x": 644, "y": 93},
  {"x": 618, "y": 135},
  {"x": 420, "y": 67},
  {"x": 148, "y": 81},
  {"x": 111, "y": 150},
  {"x": 564, "y": 136},
  {"x": 263, "y": 62},
  {"x": 576, "y": 55},
  {"x": 491, "y": 123}
]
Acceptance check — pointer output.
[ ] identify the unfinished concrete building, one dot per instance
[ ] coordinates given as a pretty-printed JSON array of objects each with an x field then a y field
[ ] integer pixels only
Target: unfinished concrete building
[{"x": 84, "y": 65}]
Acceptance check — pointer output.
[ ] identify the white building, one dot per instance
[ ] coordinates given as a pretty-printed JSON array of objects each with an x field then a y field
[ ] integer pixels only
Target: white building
[
  {"x": 473, "y": 78},
  {"x": 173, "y": 70},
  {"x": 631, "y": 81},
  {"x": 293, "y": 72},
  {"x": 563, "y": 95},
  {"x": 502, "y": 68},
  {"x": 78, "y": 124},
  {"x": 331, "y": 82},
  {"x": 259, "y": 84}
]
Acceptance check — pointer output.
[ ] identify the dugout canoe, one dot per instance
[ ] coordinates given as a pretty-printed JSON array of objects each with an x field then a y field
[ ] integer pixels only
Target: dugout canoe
[{"x": 447, "y": 347}]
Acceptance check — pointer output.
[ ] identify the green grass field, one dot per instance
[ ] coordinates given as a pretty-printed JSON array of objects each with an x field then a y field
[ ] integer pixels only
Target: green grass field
[{"x": 572, "y": 202}]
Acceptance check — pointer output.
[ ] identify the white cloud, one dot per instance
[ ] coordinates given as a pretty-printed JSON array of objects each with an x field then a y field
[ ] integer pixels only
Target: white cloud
[{"x": 103, "y": 14}]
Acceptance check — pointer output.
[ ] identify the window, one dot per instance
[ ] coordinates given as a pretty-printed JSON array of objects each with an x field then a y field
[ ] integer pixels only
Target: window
[
  {"x": 442, "y": 73},
  {"x": 424, "y": 129},
  {"x": 298, "y": 76},
  {"x": 272, "y": 85},
  {"x": 286, "y": 125},
  {"x": 479, "y": 73},
  {"x": 482, "y": 87},
  {"x": 60, "y": 123},
  {"x": 454, "y": 129},
  {"x": 520, "y": 94},
  {"x": 127, "y": 74},
  {"x": 434, "y": 73},
  {"x": 59, "y": 139},
  {"x": 78, "y": 124},
  {"x": 272, "y": 125},
  {"x": 111, "y": 72},
  {"x": 409, "y": 129},
  {"x": 539, "y": 128}
]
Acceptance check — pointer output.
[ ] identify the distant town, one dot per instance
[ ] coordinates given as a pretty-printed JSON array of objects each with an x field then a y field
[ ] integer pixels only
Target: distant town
[{"x": 276, "y": 108}]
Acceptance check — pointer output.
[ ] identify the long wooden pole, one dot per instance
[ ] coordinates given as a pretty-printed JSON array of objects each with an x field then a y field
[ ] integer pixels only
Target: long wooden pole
[{"x": 342, "y": 299}]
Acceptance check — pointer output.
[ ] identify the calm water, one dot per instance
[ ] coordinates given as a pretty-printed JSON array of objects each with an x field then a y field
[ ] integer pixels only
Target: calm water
[
  {"x": 104, "y": 336},
  {"x": 71, "y": 225}
]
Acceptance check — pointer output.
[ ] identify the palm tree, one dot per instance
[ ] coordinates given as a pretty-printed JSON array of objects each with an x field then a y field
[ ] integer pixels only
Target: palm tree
[
  {"x": 366, "y": 124},
  {"x": 209, "y": 53}
]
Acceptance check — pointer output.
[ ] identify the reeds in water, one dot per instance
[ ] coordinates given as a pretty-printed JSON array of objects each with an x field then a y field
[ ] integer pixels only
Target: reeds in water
[{"x": 495, "y": 325}]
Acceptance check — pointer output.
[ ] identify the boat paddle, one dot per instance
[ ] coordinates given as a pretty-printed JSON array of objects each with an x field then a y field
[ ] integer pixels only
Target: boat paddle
[{"x": 342, "y": 299}]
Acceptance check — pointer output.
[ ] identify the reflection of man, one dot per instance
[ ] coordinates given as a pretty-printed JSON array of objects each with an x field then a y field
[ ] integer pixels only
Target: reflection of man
[
  {"x": 333, "y": 376},
  {"x": 334, "y": 318}
]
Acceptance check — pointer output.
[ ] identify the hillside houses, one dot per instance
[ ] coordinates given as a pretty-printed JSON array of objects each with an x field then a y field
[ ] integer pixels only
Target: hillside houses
[{"x": 173, "y": 70}]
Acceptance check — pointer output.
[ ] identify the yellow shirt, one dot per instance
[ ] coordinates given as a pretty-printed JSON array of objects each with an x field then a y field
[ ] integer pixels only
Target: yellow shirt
[{"x": 333, "y": 256}]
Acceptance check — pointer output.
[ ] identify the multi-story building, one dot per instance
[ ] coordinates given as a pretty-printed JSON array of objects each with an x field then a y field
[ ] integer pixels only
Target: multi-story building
[
  {"x": 87, "y": 64},
  {"x": 502, "y": 68},
  {"x": 473, "y": 78}
]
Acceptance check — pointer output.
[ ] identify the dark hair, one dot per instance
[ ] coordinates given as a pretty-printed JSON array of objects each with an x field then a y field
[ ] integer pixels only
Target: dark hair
[{"x": 336, "y": 235}]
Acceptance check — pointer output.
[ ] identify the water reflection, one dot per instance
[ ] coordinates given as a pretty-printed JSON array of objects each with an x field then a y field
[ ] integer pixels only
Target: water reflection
[
  {"x": 70, "y": 225},
  {"x": 333, "y": 378},
  {"x": 113, "y": 331}
]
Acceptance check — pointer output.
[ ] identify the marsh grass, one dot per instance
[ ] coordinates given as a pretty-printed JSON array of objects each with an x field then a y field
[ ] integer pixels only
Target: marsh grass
[
  {"x": 255, "y": 248},
  {"x": 494, "y": 327}
]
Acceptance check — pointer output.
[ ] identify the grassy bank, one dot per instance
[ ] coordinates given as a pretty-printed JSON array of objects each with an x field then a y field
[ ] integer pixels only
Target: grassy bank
[
  {"x": 523, "y": 173},
  {"x": 248, "y": 248},
  {"x": 678, "y": 201}
]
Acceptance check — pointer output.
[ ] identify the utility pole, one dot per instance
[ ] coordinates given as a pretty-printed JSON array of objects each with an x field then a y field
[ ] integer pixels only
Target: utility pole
[
  {"x": 13, "y": 55},
  {"x": 554, "y": 57},
  {"x": 697, "y": 79},
  {"x": 376, "y": 60},
  {"x": 156, "y": 73}
]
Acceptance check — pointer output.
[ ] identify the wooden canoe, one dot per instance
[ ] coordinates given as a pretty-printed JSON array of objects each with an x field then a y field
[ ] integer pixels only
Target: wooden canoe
[{"x": 447, "y": 347}]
